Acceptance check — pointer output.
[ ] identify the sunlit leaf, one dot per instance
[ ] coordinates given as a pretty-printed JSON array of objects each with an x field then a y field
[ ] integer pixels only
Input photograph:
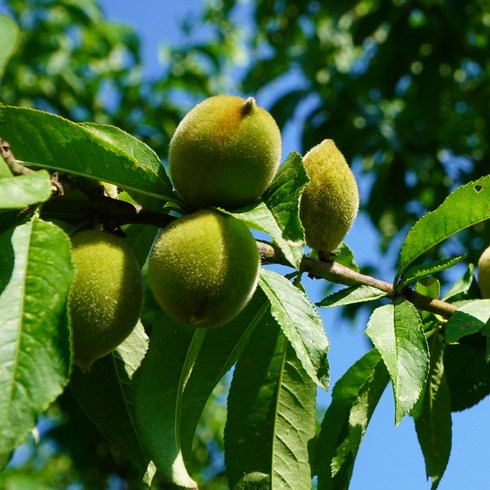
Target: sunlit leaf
[
  {"x": 463, "y": 208},
  {"x": 417, "y": 272},
  {"x": 396, "y": 331},
  {"x": 36, "y": 272},
  {"x": 24, "y": 190},
  {"x": 45, "y": 140},
  {"x": 300, "y": 322},
  {"x": 271, "y": 415},
  {"x": 352, "y": 295}
]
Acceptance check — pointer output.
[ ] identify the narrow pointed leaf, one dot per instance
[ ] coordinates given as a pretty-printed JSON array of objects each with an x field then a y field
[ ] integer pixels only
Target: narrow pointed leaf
[
  {"x": 300, "y": 322},
  {"x": 271, "y": 416},
  {"x": 36, "y": 272},
  {"x": 352, "y": 295},
  {"x": 468, "y": 319},
  {"x": 354, "y": 398},
  {"x": 433, "y": 420},
  {"x": 464, "y": 207},
  {"x": 45, "y": 140},
  {"x": 24, "y": 190},
  {"x": 417, "y": 272},
  {"x": 159, "y": 389},
  {"x": 107, "y": 395},
  {"x": 396, "y": 331}
]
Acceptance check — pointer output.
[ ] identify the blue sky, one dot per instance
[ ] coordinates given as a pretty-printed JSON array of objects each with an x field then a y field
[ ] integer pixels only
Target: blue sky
[{"x": 389, "y": 456}]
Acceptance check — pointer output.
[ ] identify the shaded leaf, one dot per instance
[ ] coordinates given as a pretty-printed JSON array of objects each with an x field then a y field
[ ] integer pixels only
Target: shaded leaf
[
  {"x": 467, "y": 372},
  {"x": 36, "y": 272},
  {"x": 24, "y": 190},
  {"x": 396, "y": 331},
  {"x": 107, "y": 396},
  {"x": 468, "y": 319},
  {"x": 271, "y": 415},
  {"x": 160, "y": 383},
  {"x": 463, "y": 286},
  {"x": 433, "y": 418},
  {"x": 463, "y": 208},
  {"x": 354, "y": 398},
  {"x": 220, "y": 349},
  {"x": 300, "y": 322}
]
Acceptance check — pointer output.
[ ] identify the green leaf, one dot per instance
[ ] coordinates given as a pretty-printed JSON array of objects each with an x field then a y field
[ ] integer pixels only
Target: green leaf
[
  {"x": 345, "y": 256},
  {"x": 428, "y": 286},
  {"x": 463, "y": 286},
  {"x": 354, "y": 398},
  {"x": 300, "y": 323},
  {"x": 463, "y": 208},
  {"x": 45, "y": 140},
  {"x": 160, "y": 383},
  {"x": 24, "y": 190},
  {"x": 271, "y": 415},
  {"x": 278, "y": 213},
  {"x": 9, "y": 39},
  {"x": 351, "y": 295},
  {"x": 5, "y": 171},
  {"x": 220, "y": 349},
  {"x": 131, "y": 146},
  {"x": 36, "y": 272},
  {"x": 467, "y": 372},
  {"x": 283, "y": 197},
  {"x": 259, "y": 217},
  {"x": 468, "y": 319},
  {"x": 433, "y": 420},
  {"x": 417, "y": 272},
  {"x": 397, "y": 332},
  {"x": 107, "y": 396}
]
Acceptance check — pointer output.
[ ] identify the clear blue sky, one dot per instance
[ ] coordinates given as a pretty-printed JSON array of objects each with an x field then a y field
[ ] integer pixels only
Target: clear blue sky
[{"x": 389, "y": 457}]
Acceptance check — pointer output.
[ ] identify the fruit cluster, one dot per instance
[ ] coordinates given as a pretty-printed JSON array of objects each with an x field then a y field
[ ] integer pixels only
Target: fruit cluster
[{"x": 204, "y": 267}]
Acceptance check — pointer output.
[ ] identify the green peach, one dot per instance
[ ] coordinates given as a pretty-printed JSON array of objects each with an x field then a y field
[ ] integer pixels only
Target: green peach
[
  {"x": 484, "y": 273},
  {"x": 203, "y": 268},
  {"x": 225, "y": 152},
  {"x": 106, "y": 296},
  {"x": 330, "y": 201}
]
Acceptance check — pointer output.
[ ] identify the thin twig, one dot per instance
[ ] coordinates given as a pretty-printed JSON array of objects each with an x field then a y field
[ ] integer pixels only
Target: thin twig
[{"x": 338, "y": 273}]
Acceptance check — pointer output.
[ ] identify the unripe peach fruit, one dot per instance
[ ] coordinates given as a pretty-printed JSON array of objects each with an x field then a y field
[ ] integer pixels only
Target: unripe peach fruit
[
  {"x": 106, "y": 296},
  {"x": 225, "y": 153},
  {"x": 330, "y": 201},
  {"x": 203, "y": 268}
]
